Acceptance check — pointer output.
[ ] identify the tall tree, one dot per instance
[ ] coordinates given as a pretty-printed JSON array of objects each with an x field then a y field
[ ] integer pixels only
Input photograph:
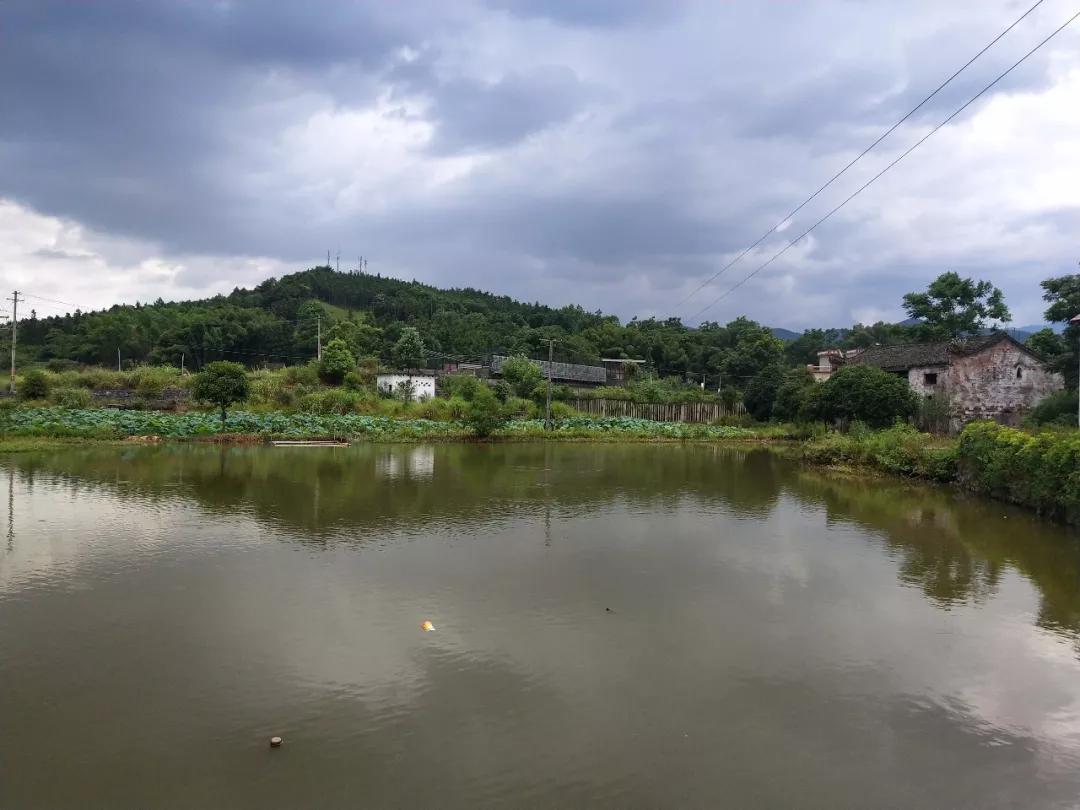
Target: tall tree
[
  {"x": 955, "y": 307},
  {"x": 1063, "y": 296},
  {"x": 409, "y": 352}
]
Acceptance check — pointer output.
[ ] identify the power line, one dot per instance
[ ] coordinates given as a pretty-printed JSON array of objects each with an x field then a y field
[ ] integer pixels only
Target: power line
[
  {"x": 903, "y": 155},
  {"x": 51, "y": 300},
  {"x": 857, "y": 158}
]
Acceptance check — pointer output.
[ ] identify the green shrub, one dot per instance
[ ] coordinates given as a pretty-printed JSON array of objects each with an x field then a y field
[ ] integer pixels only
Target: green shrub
[
  {"x": 868, "y": 394},
  {"x": 522, "y": 375},
  {"x": 1057, "y": 409},
  {"x": 307, "y": 374},
  {"x": 355, "y": 381},
  {"x": 463, "y": 386},
  {"x": 34, "y": 385},
  {"x": 1041, "y": 471},
  {"x": 70, "y": 397},
  {"x": 337, "y": 361},
  {"x": 486, "y": 413}
]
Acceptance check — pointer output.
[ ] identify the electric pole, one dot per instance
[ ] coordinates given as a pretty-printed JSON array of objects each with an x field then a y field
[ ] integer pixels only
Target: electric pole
[
  {"x": 14, "y": 333},
  {"x": 318, "y": 338},
  {"x": 547, "y": 410},
  {"x": 117, "y": 358}
]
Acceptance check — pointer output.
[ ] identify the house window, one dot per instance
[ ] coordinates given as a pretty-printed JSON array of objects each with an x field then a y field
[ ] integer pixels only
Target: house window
[
  {"x": 1019, "y": 373},
  {"x": 929, "y": 378}
]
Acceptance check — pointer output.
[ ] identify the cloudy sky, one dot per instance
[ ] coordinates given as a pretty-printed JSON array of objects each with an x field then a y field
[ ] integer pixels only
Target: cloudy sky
[{"x": 609, "y": 153}]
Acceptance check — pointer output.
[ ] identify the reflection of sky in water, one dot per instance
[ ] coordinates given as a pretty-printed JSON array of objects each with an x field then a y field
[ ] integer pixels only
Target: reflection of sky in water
[
  {"x": 773, "y": 637},
  {"x": 414, "y": 462}
]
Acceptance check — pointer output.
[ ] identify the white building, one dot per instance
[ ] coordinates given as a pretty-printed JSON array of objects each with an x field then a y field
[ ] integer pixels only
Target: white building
[{"x": 423, "y": 385}]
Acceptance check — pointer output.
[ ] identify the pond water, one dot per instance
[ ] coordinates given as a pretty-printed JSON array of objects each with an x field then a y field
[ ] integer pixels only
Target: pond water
[{"x": 614, "y": 626}]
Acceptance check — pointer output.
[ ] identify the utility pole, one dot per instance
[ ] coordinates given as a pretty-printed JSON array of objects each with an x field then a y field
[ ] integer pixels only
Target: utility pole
[
  {"x": 14, "y": 333},
  {"x": 181, "y": 364},
  {"x": 547, "y": 410},
  {"x": 117, "y": 358},
  {"x": 1073, "y": 321},
  {"x": 318, "y": 339}
]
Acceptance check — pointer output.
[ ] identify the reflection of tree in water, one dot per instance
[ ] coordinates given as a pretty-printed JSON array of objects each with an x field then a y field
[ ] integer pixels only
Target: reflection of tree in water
[
  {"x": 321, "y": 492},
  {"x": 957, "y": 549}
]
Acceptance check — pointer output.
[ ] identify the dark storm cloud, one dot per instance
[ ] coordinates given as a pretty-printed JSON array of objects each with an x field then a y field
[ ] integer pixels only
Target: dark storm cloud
[{"x": 603, "y": 139}]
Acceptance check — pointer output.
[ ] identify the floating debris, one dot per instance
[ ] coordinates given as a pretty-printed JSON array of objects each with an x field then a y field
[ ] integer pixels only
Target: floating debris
[
  {"x": 427, "y": 626},
  {"x": 275, "y": 742}
]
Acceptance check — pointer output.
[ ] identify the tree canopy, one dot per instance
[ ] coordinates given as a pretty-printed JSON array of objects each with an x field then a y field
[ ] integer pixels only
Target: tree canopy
[
  {"x": 954, "y": 307},
  {"x": 221, "y": 384}
]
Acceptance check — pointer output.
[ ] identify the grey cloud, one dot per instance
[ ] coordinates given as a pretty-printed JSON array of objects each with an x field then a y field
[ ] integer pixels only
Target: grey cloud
[
  {"x": 473, "y": 114},
  {"x": 612, "y": 140},
  {"x": 588, "y": 13}
]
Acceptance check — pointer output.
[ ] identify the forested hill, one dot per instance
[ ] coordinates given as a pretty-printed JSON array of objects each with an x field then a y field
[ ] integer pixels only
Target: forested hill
[{"x": 277, "y": 321}]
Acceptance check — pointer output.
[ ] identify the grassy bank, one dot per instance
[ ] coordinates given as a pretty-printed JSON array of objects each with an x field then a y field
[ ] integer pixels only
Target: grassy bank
[
  {"x": 106, "y": 424},
  {"x": 1040, "y": 471}
]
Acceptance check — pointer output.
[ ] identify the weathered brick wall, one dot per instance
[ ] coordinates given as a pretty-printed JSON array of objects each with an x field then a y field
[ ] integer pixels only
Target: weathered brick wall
[{"x": 987, "y": 386}]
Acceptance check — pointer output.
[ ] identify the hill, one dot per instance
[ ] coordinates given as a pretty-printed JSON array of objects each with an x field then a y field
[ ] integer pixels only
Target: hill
[{"x": 279, "y": 321}]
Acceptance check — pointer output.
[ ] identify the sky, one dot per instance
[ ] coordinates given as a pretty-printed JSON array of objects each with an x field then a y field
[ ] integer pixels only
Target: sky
[{"x": 608, "y": 153}]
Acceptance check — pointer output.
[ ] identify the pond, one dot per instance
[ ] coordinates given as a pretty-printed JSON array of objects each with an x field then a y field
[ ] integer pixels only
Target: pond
[{"x": 614, "y": 626}]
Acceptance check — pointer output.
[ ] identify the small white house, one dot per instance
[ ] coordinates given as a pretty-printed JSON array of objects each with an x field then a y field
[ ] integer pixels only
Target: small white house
[{"x": 423, "y": 385}]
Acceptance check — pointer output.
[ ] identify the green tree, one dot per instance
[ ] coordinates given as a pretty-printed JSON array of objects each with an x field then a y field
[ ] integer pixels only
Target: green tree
[
  {"x": 337, "y": 361},
  {"x": 522, "y": 374},
  {"x": 1063, "y": 296},
  {"x": 409, "y": 351},
  {"x": 954, "y": 307},
  {"x": 761, "y": 392},
  {"x": 866, "y": 394},
  {"x": 1047, "y": 343},
  {"x": 790, "y": 403},
  {"x": 221, "y": 384}
]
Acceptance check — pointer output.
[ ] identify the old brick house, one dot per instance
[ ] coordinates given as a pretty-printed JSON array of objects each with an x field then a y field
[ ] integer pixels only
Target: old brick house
[{"x": 990, "y": 377}]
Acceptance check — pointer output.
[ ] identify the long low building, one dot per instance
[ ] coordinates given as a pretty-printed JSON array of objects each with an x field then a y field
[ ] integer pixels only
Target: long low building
[{"x": 571, "y": 373}]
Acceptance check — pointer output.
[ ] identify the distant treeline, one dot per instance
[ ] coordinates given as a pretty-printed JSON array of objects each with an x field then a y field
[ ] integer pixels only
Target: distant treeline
[{"x": 278, "y": 322}]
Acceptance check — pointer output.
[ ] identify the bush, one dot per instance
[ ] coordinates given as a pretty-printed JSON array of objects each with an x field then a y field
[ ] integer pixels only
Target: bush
[
  {"x": 330, "y": 400},
  {"x": 1041, "y": 471},
  {"x": 355, "y": 381},
  {"x": 35, "y": 385},
  {"x": 522, "y": 374},
  {"x": 337, "y": 361},
  {"x": 1057, "y": 409},
  {"x": 486, "y": 413},
  {"x": 462, "y": 386},
  {"x": 307, "y": 374},
  {"x": 866, "y": 394},
  {"x": 761, "y": 392},
  {"x": 70, "y": 397},
  {"x": 58, "y": 365}
]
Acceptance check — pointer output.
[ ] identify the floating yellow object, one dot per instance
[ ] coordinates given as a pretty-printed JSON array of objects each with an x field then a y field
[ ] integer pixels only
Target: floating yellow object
[{"x": 427, "y": 626}]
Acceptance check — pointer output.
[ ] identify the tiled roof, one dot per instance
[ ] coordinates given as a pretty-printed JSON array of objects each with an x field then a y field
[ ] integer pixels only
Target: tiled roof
[
  {"x": 559, "y": 371},
  {"x": 911, "y": 355}
]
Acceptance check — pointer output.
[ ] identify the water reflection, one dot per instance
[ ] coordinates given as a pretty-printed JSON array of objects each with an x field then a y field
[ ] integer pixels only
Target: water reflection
[{"x": 775, "y": 637}]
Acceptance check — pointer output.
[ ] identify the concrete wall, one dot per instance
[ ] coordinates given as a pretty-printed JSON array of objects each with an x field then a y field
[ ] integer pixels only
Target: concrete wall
[
  {"x": 423, "y": 386},
  {"x": 986, "y": 385}
]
